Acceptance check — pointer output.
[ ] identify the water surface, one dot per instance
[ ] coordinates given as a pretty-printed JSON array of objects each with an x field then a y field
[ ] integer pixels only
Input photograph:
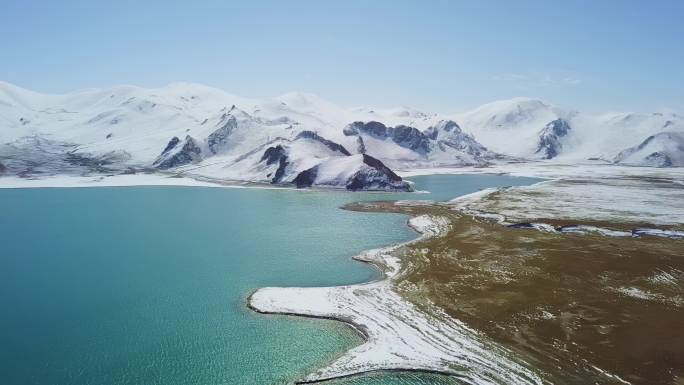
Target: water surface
[{"x": 147, "y": 285}]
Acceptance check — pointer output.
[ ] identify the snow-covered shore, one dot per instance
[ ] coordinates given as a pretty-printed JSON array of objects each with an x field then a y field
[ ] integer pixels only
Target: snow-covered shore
[
  {"x": 615, "y": 194},
  {"x": 554, "y": 170},
  {"x": 127, "y": 180},
  {"x": 398, "y": 335},
  {"x": 105, "y": 181}
]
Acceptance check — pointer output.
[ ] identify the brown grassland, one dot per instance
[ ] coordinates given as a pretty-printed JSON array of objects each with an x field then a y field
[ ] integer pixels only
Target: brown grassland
[{"x": 568, "y": 305}]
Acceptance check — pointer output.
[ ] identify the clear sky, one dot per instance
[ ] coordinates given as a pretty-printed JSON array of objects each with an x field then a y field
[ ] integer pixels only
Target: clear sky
[{"x": 442, "y": 56}]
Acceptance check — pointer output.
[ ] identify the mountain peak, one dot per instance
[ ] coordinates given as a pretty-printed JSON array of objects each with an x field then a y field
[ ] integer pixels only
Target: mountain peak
[{"x": 298, "y": 99}]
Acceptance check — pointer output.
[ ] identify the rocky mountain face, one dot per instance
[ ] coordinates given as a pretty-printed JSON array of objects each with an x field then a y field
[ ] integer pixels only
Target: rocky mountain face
[
  {"x": 355, "y": 172},
  {"x": 179, "y": 153},
  {"x": 35, "y": 156},
  {"x": 276, "y": 155},
  {"x": 441, "y": 143},
  {"x": 550, "y": 138},
  {"x": 449, "y": 133},
  {"x": 404, "y": 136},
  {"x": 218, "y": 139},
  {"x": 335, "y": 147}
]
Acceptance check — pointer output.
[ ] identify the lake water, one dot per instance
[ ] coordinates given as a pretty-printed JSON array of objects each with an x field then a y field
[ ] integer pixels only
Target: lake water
[{"x": 147, "y": 285}]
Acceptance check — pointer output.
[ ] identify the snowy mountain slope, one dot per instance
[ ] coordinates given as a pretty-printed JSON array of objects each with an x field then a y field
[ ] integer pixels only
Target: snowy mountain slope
[
  {"x": 511, "y": 126},
  {"x": 604, "y": 136},
  {"x": 531, "y": 128},
  {"x": 192, "y": 127},
  {"x": 125, "y": 117},
  {"x": 279, "y": 160},
  {"x": 665, "y": 149},
  {"x": 205, "y": 132},
  {"x": 356, "y": 172}
]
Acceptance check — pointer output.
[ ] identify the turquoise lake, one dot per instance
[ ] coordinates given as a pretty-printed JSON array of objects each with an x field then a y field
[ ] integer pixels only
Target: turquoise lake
[{"x": 148, "y": 285}]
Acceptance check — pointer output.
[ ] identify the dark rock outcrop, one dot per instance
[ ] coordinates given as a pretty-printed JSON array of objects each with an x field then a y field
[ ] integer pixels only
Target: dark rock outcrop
[
  {"x": 405, "y": 136},
  {"x": 171, "y": 145},
  {"x": 280, "y": 172},
  {"x": 179, "y": 153},
  {"x": 360, "y": 145},
  {"x": 523, "y": 225},
  {"x": 2, "y": 168},
  {"x": 378, "y": 165},
  {"x": 376, "y": 176},
  {"x": 273, "y": 154},
  {"x": 660, "y": 159},
  {"x": 550, "y": 144},
  {"x": 412, "y": 138},
  {"x": 448, "y": 133},
  {"x": 276, "y": 154},
  {"x": 107, "y": 162},
  {"x": 328, "y": 143},
  {"x": 370, "y": 174},
  {"x": 219, "y": 138},
  {"x": 306, "y": 178},
  {"x": 373, "y": 128}
]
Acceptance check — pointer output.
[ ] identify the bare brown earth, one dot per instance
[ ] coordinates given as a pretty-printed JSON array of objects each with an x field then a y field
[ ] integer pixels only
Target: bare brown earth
[{"x": 570, "y": 305}]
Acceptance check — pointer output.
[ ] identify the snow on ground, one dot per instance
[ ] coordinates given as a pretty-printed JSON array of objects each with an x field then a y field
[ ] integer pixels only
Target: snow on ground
[
  {"x": 613, "y": 200},
  {"x": 107, "y": 181},
  {"x": 596, "y": 192},
  {"x": 330, "y": 172},
  {"x": 398, "y": 335},
  {"x": 584, "y": 229},
  {"x": 554, "y": 170}
]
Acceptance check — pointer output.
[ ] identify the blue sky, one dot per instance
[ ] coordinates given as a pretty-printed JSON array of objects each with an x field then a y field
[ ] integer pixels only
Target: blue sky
[{"x": 442, "y": 56}]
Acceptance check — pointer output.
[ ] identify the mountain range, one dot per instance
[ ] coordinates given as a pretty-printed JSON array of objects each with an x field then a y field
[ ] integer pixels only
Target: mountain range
[{"x": 302, "y": 140}]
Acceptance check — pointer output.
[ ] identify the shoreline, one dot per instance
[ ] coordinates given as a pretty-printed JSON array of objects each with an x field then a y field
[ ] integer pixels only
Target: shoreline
[
  {"x": 424, "y": 327},
  {"x": 157, "y": 179},
  {"x": 120, "y": 180},
  {"x": 398, "y": 337},
  {"x": 401, "y": 334},
  {"x": 483, "y": 276}
]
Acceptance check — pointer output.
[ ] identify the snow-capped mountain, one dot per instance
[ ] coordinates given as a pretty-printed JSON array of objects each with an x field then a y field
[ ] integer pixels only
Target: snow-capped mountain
[
  {"x": 665, "y": 149},
  {"x": 512, "y": 127},
  {"x": 296, "y": 138},
  {"x": 202, "y": 131},
  {"x": 605, "y": 136},
  {"x": 533, "y": 129}
]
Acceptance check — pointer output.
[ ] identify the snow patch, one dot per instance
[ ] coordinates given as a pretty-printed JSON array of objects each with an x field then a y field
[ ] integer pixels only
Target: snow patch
[{"x": 398, "y": 335}]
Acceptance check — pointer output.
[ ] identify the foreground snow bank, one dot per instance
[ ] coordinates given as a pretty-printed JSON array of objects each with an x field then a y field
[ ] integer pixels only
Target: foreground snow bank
[{"x": 399, "y": 336}]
